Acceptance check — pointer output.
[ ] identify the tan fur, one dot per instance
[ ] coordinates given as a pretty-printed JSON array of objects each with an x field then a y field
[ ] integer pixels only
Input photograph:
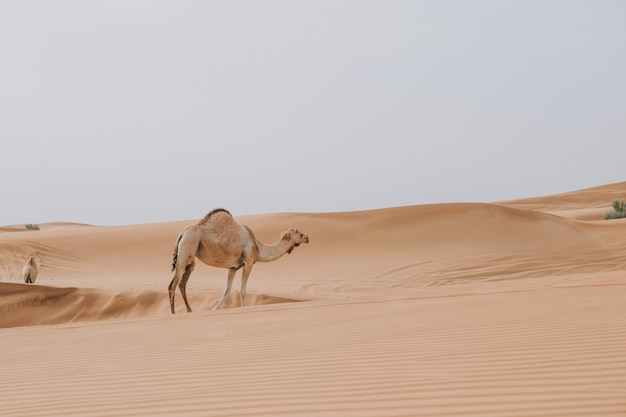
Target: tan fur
[
  {"x": 30, "y": 270},
  {"x": 206, "y": 218},
  {"x": 218, "y": 240}
]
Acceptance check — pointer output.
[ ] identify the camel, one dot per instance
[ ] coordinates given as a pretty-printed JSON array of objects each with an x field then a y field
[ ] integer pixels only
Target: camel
[
  {"x": 30, "y": 270},
  {"x": 218, "y": 240}
]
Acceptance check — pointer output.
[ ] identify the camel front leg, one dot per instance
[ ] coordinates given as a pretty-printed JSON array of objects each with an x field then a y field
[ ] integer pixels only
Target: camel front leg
[
  {"x": 244, "y": 281},
  {"x": 229, "y": 284}
]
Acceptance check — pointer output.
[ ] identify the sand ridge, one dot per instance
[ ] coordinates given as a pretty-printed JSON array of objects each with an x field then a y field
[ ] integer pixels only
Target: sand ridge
[{"x": 506, "y": 309}]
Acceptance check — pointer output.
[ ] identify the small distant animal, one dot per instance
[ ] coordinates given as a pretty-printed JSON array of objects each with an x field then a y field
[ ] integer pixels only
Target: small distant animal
[{"x": 30, "y": 270}]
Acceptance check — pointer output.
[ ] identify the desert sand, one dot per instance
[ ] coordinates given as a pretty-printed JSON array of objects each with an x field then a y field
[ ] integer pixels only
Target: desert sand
[{"x": 515, "y": 308}]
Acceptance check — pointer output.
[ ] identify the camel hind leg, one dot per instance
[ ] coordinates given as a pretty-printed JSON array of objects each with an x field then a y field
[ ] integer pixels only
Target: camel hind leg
[
  {"x": 182, "y": 264},
  {"x": 180, "y": 280},
  {"x": 172, "y": 289},
  {"x": 183, "y": 284}
]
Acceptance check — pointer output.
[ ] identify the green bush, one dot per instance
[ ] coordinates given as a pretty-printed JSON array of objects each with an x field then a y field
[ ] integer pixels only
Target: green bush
[
  {"x": 30, "y": 226},
  {"x": 619, "y": 210},
  {"x": 619, "y": 206}
]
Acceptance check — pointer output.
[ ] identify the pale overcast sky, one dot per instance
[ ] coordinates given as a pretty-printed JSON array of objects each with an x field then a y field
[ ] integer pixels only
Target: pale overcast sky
[{"x": 121, "y": 112}]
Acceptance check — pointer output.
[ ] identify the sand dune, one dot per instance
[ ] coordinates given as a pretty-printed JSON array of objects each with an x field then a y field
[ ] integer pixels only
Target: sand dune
[
  {"x": 596, "y": 201},
  {"x": 508, "y": 309},
  {"x": 29, "y": 305}
]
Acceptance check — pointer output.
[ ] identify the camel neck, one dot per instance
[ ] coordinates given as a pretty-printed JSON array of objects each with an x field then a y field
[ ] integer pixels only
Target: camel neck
[{"x": 269, "y": 253}]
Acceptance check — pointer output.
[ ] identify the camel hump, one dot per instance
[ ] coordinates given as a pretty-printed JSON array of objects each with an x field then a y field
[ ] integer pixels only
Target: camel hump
[{"x": 206, "y": 218}]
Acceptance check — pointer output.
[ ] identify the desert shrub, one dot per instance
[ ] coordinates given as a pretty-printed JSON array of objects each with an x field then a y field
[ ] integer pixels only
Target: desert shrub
[
  {"x": 31, "y": 226},
  {"x": 619, "y": 210},
  {"x": 619, "y": 206}
]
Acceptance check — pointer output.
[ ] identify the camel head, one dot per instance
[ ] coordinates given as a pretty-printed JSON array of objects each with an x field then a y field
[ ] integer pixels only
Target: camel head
[{"x": 295, "y": 237}]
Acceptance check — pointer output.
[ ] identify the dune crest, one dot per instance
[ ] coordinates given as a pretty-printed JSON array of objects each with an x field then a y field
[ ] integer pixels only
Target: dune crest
[{"x": 22, "y": 305}]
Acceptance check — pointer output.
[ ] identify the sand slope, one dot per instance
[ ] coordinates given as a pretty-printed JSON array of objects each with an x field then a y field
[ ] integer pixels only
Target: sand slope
[
  {"x": 505, "y": 309},
  {"x": 588, "y": 204}
]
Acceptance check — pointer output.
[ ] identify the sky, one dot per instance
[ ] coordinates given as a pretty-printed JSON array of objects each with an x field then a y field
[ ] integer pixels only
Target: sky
[{"x": 123, "y": 111}]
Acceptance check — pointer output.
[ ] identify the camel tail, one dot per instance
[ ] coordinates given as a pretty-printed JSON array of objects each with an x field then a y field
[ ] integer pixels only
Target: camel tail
[{"x": 175, "y": 258}]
